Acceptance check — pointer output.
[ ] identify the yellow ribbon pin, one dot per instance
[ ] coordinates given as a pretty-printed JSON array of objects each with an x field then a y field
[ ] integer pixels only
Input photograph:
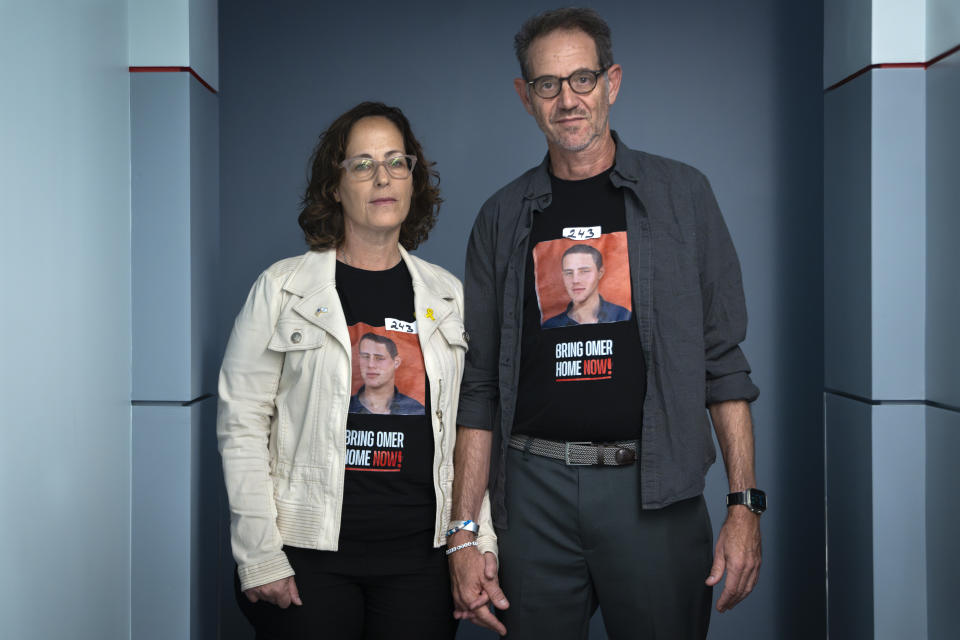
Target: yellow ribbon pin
[{"x": 429, "y": 314}]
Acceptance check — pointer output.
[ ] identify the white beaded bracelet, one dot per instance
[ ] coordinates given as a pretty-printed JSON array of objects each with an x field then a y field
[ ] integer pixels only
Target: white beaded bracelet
[{"x": 473, "y": 543}]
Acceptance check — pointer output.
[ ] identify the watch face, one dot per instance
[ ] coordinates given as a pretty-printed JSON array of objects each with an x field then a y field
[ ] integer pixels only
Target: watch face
[{"x": 758, "y": 500}]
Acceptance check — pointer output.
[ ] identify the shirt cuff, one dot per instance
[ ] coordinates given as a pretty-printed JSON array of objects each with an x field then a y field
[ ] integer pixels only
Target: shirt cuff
[
  {"x": 264, "y": 572},
  {"x": 475, "y": 414},
  {"x": 736, "y": 386}
]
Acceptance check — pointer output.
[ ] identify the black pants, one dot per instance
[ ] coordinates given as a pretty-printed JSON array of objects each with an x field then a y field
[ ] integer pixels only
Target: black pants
[
  {"x": 578, "y": 539},
  {"x": 344, "y": 600}
]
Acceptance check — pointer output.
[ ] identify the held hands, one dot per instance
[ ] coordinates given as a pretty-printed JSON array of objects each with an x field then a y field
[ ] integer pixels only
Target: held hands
[
  {"x": 473, "y": 577},
  {"x": 282, "y": 592},
  {"x": 738, "y": 552}
]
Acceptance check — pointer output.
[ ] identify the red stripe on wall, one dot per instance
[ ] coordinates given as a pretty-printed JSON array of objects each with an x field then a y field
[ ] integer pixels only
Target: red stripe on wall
[
  {"x": 173, "y": 70},
  {"x": 895, "y": 65},
  {"x": 945, "y": 54}
]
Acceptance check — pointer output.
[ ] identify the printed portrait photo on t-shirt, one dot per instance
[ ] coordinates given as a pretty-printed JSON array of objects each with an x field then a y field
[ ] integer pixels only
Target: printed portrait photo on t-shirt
[
  {"x": 388, "y": 371},
  {"x": 582, "y": 281}
]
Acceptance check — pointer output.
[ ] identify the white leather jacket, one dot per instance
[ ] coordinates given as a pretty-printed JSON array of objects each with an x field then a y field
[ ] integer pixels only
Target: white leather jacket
[{"x": 284, "y": 391}]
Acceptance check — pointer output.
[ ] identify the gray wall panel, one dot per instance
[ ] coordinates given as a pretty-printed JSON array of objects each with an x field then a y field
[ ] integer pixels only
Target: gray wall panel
[
  {"x": 943, "y": 229},
  {"x": 943, "y": 347},
  {"x": 205, "y": 486},
  {"x": 65, "y": 321},
  {"x": 942, "y": 521},
  {"x": 899, "y": 558},
  {"x": 788, "y": 303},
  {"x": 846, "y": 238},
  {"x": 943, "y": 26},
  {"x": 849, "y": 518},
  {"x": 204, "y": 238},
  {"x": 176, "y": 236},
  {"x": 847, "y": 38},
  {"x": 176, "y": 480},
  {"x": 160, "y": 160},
  {"x": 897, "y": 234},
  {"x": 161, "y": 522}
]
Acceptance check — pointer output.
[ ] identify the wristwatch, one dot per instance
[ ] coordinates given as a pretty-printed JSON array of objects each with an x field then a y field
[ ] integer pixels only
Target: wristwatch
[{"x": 752, "y": 499}]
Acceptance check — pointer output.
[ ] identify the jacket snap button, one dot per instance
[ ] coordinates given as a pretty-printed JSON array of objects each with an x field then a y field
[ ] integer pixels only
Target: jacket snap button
[{"x": 295, "y": 337}]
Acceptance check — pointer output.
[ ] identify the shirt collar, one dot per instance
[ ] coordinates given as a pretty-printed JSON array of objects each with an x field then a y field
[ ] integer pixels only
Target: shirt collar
[{"x": 626, "y": 173}]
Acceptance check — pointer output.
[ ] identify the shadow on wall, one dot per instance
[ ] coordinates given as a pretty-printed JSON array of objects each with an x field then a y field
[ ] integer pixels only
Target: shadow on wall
[{"x": 796, "y": 462}]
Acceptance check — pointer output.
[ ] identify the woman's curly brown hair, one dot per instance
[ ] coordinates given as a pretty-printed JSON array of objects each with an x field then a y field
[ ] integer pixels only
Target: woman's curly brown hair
[{"x": 322, "y": 216}]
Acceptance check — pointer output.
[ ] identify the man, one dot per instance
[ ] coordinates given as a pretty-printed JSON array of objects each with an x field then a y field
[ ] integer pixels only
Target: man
[
  {"x": 596, "y": 481},
  {"x": 582, "y": 268},
  {"x": 379, "y": 360}
]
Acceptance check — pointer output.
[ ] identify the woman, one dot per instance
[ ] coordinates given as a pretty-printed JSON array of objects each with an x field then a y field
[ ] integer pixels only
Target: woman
[{"x": 338, "y": 396}]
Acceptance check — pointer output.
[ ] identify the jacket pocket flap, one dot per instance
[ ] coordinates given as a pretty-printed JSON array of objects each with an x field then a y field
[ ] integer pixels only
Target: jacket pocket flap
[
  {"x": 296, "y": 336},
  {"x": 454, "y": 333}
]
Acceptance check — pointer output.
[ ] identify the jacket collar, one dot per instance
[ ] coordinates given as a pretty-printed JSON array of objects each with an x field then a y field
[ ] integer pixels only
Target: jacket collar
[{"x": 314, "y": 280}]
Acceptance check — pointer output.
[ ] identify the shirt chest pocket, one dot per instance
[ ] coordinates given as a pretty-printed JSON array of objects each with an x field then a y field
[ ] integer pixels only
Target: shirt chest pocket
[
  {"x": 301, "y": 344},
  {"x": 296, "y": 335}
]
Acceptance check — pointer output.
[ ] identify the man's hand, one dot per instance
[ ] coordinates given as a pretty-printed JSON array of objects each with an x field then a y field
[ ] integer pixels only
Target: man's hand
[
  {"x": 282, "y": 592},
  {"x": 738, "y": 545},
  {"x": 475, "y": 586},
  {"x": 738, "y": 553}
]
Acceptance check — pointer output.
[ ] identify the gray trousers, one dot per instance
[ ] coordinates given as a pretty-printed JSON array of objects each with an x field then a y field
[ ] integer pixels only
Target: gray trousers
[{"x": 577, "y": 538}]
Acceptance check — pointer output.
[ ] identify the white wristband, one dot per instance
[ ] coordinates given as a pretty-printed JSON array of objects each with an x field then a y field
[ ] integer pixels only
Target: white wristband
[
  {"x": 462, "y": 525},
  {"x": 462, "y": 546}
]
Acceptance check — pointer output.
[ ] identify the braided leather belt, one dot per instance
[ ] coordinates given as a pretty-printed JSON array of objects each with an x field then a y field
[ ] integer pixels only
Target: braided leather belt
[{"x": 605, "y": 454}]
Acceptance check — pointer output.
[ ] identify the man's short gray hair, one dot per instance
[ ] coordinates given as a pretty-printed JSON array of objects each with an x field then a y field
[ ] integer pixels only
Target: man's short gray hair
[{"x": 570, "y": 18}]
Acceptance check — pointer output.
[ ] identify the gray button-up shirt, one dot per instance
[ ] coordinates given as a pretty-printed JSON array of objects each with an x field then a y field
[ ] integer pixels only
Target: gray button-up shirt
[{"x": 687, "y": 300}]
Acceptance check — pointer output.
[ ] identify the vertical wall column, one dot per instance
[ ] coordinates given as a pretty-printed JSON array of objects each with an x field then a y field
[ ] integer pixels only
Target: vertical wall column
[
  {"x": 943, "y": 317},
  {"x": 891, "y": 398},
  {"x": 175, "y": 250},
  {"x": 64, "y": 321}
]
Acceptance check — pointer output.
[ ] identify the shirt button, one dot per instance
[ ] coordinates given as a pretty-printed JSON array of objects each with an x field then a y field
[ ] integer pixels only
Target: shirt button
[{"x": 296, "y": 337}]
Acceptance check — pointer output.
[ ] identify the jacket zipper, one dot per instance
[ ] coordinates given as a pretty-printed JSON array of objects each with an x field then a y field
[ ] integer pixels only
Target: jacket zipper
[
  {"x": 439, "y": 480},
  {"x": 439, "y": 411}
]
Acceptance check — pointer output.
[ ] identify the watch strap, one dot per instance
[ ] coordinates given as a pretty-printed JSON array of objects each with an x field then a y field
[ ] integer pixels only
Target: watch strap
[{"x": 753, "y": 499}]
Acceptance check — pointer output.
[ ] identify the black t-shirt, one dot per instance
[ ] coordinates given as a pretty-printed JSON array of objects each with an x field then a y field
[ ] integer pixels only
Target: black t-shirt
[
  {"x": 388, "y": 493},
  {"x": 582, "y": 372}
]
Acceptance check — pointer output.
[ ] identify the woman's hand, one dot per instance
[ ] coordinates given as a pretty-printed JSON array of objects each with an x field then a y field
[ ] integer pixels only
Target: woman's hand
[{"x": 280, "y": 592}]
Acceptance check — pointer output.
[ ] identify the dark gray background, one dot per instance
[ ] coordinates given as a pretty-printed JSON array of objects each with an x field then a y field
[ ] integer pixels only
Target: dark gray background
[{"x": 732, "y": 88}]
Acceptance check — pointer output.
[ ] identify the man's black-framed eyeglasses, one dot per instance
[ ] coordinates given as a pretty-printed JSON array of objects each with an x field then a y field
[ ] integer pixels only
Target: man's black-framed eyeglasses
[{"x": 581, "y": 81}]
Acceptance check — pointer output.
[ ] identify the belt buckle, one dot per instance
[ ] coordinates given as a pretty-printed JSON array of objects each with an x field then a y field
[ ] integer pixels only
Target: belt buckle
[
  {"x": 623, "y": 455},
  {"x": 566, "y": 454}
]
